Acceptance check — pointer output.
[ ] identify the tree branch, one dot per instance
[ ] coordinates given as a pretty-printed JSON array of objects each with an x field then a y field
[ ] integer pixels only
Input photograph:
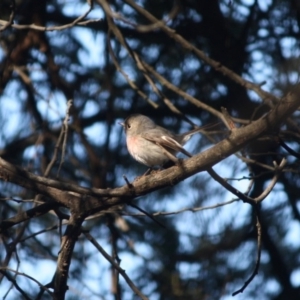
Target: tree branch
[
  {"x": 115, "y": 265},
  {"x": 69, "y": 239},
  {"x": 94, "y": 200}
]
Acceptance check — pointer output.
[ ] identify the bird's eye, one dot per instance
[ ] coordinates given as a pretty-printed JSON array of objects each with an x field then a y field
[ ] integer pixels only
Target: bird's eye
[{"x": 128, "y": 125}]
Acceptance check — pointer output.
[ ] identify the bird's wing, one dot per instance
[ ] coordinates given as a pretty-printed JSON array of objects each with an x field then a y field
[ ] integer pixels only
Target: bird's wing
[{"x": 166, "y": 142}]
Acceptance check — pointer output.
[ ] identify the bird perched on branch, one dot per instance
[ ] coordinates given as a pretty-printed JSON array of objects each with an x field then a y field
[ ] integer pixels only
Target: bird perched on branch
[{"x": 153, "y": 145}]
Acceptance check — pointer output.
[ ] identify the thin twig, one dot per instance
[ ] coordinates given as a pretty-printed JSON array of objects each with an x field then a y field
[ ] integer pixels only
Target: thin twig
[
  {"x": 257, "y": 263},
  {"x": 146, "y": 214},
  {"x": 4, "y": 269},
  {"x": 287, "y": 148},
  {"x": 130, "y": 186},
  {"x": 115, "y": 256},
  {"x": 183, "y": 94},
  {"x": 269, "y": 188},
  {"x": 115, "y": 265},
  {"x": 244, "y": 197},
  {"x": 229, "y": 122},
  {"x": 50, "y": 28},
  {"x": 11, "y": 16},
  {"x": 65, "y": 135},
  {"x": 151, "y": 27},
  {"x": 190, "y": 209},
  {"x": 14, "y": 283},
  {"x": 77, "y": 21}
]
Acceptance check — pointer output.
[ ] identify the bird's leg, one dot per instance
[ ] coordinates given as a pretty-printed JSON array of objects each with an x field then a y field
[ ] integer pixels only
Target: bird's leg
[{"x": 147, "y": 172}]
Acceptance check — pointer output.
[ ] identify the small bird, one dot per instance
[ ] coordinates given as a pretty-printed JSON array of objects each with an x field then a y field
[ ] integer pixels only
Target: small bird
[{"x": 153, "y": 145}]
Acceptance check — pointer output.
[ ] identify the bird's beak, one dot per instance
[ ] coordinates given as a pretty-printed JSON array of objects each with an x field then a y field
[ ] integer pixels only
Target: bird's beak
[{"x": 122, "y": 124}]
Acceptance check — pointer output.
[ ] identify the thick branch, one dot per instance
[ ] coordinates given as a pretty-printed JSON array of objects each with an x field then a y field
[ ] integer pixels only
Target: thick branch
[{"x": 64, "y": 259}]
